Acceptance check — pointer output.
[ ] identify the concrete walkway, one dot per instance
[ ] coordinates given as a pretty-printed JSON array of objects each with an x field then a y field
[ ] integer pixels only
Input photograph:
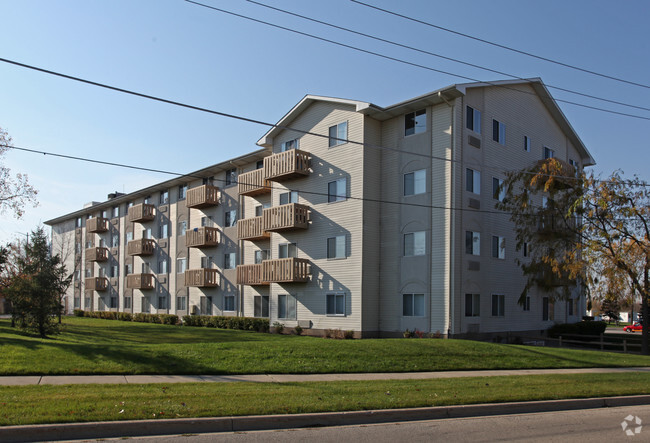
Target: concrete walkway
[{"x": 287, "y": 378}]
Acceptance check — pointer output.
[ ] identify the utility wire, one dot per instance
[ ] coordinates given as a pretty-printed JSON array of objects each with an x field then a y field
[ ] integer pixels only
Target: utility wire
[
  {"x": 417, "y": 65},
  {"x": 433, "y": 54},
  {"x": 508, "y": 48}
]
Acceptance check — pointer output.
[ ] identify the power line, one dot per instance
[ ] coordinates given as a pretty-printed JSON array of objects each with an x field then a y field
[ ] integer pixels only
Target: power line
[
  {"x": 566, "y": 65},
  {"x": 433, "y": 54},
  {"x": 417, "y": 65}
]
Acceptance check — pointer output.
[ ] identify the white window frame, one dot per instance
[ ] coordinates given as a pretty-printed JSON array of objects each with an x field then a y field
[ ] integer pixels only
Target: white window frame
[
  {"x": 290, "y": 144},
  {"x": 338, "y": 196},
  {"x": 181, "y": 303},
  {"x": 498, "y": 308},
  {"x": 475, "y": 176},
  {"x": 409, "y": 305},
  {"x": 288, "y": 248},
  {"x": 287, "y": 307},
  {"x": 472, "y": 305},
  {"x": 526, "y": 306},
  {"x": 229, "y": 299},
  {"x": 548, "y": 153},
  {"x": 498, "y": 191},
  {"x": 182, "y": 227},
  {"x": 230, "y": 260},
  {"x": 415, "y": 128},
  {"x": 337, "y": 247},
  {"x": 335, "y": 296},
  {"x": 499, "y": 132},
  {"x": 230, "y": 218},
  {"x": 475, "y": 248},
  {"x": 526, "y": 143},
  {"x": 289, "y": 196},
  {"x": 476, "y": 120},
  {"x": 341, "y": 137},
  {"x": 419, "y": 181},
  {"x": 164, "y": 197},
  {"x": 498, "y": 247},
  {"x": 415, "y": 244},
  {"x": 181, "y": 265}
]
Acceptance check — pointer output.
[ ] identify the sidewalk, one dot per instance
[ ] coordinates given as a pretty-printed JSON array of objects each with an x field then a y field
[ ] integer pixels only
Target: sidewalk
[{"x": 288, "y": 378}]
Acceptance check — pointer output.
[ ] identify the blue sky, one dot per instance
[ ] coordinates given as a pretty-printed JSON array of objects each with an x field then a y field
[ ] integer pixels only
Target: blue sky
[{"x": 187, "y": 53}]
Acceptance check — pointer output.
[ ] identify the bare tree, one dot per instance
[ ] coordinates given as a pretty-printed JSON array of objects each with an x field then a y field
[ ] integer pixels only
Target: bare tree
[{"x": 15, "y": 191}]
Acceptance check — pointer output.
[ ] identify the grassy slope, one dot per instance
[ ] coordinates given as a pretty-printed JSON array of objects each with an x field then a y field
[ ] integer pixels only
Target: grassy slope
[
  {"x": 73, "y": 403},
  {"x": 90, "y": 346}
]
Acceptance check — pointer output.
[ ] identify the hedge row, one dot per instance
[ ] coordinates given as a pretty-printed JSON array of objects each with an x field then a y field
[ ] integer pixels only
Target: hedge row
[
  {"x": 164, "y": 319},
  {"x": 243, "y": 323},
  {"x": 580, "y": 328}
]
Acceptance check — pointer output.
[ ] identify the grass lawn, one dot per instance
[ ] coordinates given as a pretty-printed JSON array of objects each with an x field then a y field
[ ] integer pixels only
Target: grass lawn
[
  {"x": 92, "y": 346},
  {"x": 75, "y": 403}
]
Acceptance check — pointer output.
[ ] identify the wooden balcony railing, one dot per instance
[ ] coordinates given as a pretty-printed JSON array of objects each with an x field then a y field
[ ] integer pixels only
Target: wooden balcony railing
[
  {"x": 96, "y": 283},
  {"x": 97, "y": 224},
  {"x": 140, "y": 281},
  {"x": 285, "y": 270},
  {"x": 202, "y": 237},
  {"x": 202, "y": 196},
  {"x": 285, "y": 217},
  {"x": 285, "y": 165},
  {"x": 142, "y": 213},
  {"x": 142, "y": 246},
  {"x": 96, "y": 254},
  {"x": 250, "y": 275},
  {"x": 251, "y": 229},
  {"x": 202, "y": 278},
  {"x": 253, "y": 183}
]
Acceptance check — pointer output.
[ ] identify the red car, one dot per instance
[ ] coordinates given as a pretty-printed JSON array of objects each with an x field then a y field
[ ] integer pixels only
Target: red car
[{"x": 635, "y": 327}]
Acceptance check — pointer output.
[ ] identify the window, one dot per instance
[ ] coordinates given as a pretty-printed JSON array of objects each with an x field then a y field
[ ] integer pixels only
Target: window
[
  {"x": 145, "y": 304},
  {"x": 498, "y": 305},
  {"x": 77, "y": 248},
  {"x": 415, "y": 122},
  {"x": 89, "y": 244},
  {"x": 498, "y": 191},
  {"x": 499, "y": 132},
  {"x": 335, "y": 304},
  {"x": 288, "y": 197},
  {"x": 527, "y": 304},
  {"x": 548, "y": 153},
  {"x": 259, "y": 164},
  {"x": 231, "y": 177},
  {"x": 102, "y": 272},
  {"x": 162, "y": 302},
  {"x": 88, "y": 272},
  {"x": 182, "y": 227},
  {"x": 181, "y": 265},
  {"x": 413, "y": 305},
  {"x": 163, "y": 231},
  {"x": 77, "y": 274},
  {"x": 473, "y": 119},
  {"x": 207, "y": 221},
  {"x": 147, "y": 200},
  {"x": 472, "y": 243},
  {"x": 498, "y": 247},
  {"x": 87, "y": 303},
  {"x": 182, "y": 192},
  {"x": 415, "y": 243},
  {"x": 337, "y": 190},
  {"x": 286, "y": 250},
  {"x": 113, "y": 302},
  {"x": 526, "y": 143},
  {"x": 146, "y": 233},
  {"x": 116, "y": 211},
  {"x": 209, "y": 180},
  {"x": 129, "y": 205},
  {"x": 77, "y": 303},
  {"x": 181, "y": 303},
  {"x": 415, "y": 182},
  {"x": 574, "y": 163},
  {"x": 207, "y": 262},
  {"x": 162, "y": 267},
  {"x": 286, "y": 306},
  {"x": 338, "y": 134},
  {"x": 473, "y": 181},
  {"x": 472, "y": 305},
  {"x": 102, "y": 304},
  {"x": 77, "y": 222},
  {"x": 291, "y": 144},
  {"x": 230, "y": 260},
  {"x": 525, "y": 249},
  {"x": 569, "y": 306},
  {"x": 261, "y": 306},
  {"x": 231, "y": 218},
  {"x": 228, "y": 302},
  {"x": 105, "y": 213},
  {"x": 129, "y": 236},
  {"x": 115, "y": 240},
  {"x": 128, "y": 269},
  {"x": 545, "y": 306},
  {"x": 336, "y": 247},
  {"x": 127, "y": 302},
  {"x": 262, "y": 254},
  {"x": 164, "y": 197},
  {"x": 115, "y": 270},
  {"x": 146, "y": 268}
]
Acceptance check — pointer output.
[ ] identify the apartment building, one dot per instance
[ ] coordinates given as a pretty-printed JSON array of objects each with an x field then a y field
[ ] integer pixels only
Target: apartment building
[{"x": 351, "y": 216}]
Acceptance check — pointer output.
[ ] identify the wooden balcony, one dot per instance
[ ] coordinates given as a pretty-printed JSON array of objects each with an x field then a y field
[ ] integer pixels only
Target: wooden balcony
[
  {"x": 142, "y": 213},
  {"x": 285, "y": 217},
  {"x": 250, "y": 275},
  {"x": 140, "y": 281},
  {"x": 202, "y": 278},
  {"x": 202, "y": 196},
  {"x": 253, "y": 183},
  {"x": 286, "y": 270},
  {"x": 97, "y": 254},
  {"x": 97, "y": 224},
  {"x": 142, "y": 246},
  {"x": 96, "y": 283},
  {"x": 285, "y": 165},
  {"x": 251, "y": 229},
  {"x": 203, "y": 237}
]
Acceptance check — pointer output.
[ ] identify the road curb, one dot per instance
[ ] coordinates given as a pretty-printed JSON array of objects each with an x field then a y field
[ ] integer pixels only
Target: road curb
[{"x": 135, "y": 428}]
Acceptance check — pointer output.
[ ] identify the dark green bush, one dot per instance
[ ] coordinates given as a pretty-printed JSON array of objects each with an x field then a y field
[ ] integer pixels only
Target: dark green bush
[
  {"x": 78, "y": 313},
  {"x": 580, "y": 328},
  {"x": 242, "y": 323}
]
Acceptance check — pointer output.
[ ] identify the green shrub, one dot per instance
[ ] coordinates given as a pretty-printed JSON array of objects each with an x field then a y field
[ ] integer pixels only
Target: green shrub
[
  {"x": 78, "y": 313},
  {"x": 124, "y": 316},
  {"x": 580, "y": 328},
  {"x": 222, "y": 322},
  {"x": 168, "y": 319},
  {"x": 298, "y": 330},
  {"x": 278, "y": 327}
]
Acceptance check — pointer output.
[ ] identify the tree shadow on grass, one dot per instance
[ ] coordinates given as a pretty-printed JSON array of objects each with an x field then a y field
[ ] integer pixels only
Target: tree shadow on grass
[{"x": 572, "y": 362}]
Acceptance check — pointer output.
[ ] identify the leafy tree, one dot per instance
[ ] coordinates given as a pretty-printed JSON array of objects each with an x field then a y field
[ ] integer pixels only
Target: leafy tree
[
  {"x": 15, "y": 192},
  {"x": 610, "y": 308},
  {"x": 34, "y": 289},
  {"x": 587, "y": 230}
]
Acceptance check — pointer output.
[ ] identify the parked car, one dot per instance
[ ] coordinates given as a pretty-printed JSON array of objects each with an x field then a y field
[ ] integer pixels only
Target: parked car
[{"x": 634, "y": 327}]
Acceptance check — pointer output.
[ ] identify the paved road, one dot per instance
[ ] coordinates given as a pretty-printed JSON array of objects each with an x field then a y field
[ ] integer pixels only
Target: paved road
[{"x": 574, "y": 426}]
